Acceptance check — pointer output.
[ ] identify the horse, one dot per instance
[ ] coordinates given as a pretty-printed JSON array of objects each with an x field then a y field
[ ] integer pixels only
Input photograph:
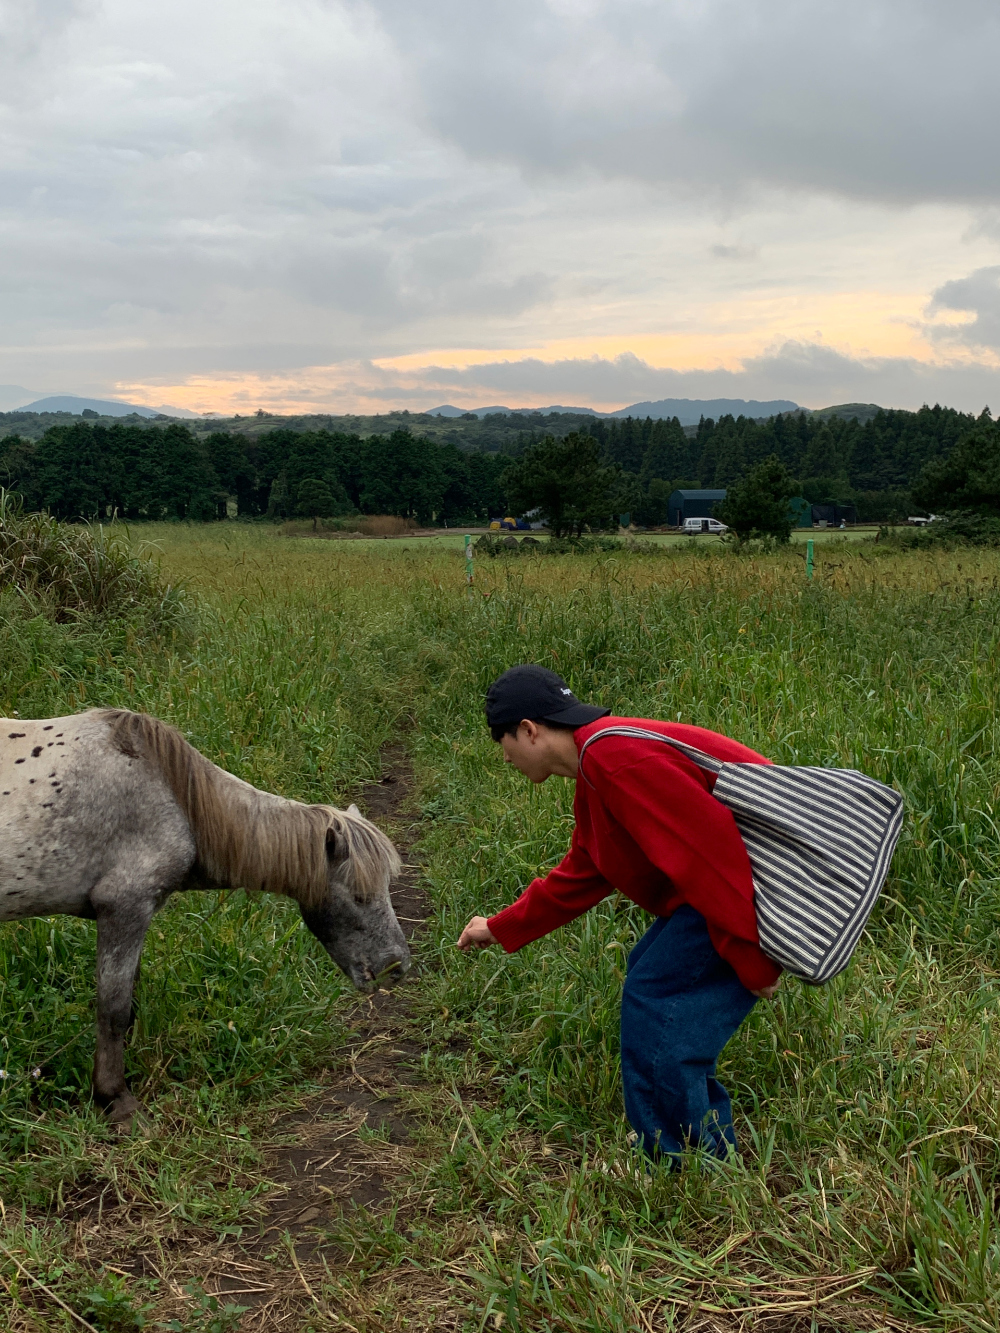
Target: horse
[{"x": 104, "y": 814}]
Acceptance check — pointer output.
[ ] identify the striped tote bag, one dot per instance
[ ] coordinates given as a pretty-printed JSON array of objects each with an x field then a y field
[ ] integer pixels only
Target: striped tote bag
[{"x": 819, "y": 840}]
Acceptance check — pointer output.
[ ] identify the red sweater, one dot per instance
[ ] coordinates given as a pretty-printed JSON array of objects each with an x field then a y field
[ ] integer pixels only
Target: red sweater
[{"x": 648, "y": 825}]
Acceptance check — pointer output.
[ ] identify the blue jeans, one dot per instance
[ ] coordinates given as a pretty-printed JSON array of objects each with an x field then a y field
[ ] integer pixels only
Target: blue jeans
[{"x": 680, "y": 1005}]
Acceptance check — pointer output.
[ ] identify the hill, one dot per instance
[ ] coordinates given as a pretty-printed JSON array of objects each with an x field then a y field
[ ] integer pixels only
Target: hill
[
  {"x": 104, "y": 407},
  {"x": 13, "y": 395},
  {"x": 688, "y": 411},
  {"x": 850, "y": 411},
  {"x": 446, "y": 410}
]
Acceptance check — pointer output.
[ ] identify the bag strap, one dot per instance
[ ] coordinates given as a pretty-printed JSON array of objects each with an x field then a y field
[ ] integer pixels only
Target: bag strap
[{"x": 699, "y": 757}]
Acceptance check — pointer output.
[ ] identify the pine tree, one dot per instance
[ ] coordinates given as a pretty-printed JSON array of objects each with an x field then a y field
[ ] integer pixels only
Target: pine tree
[
  {"x": 968, "y": 478},
  {"x": 565, "y": 480},
  {"x": 757, "y": 506},
  {"x": 666, "y": 454},
  {"x": 402, "y": 474},
  {"x": 314, "y": 500}
]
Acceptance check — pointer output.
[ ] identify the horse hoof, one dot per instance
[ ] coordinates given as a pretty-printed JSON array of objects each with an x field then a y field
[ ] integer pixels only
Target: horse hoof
[{"x": 123, "y": 1110}]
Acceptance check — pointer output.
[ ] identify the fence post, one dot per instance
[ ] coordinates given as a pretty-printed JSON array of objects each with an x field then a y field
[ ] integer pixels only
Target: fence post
[
  {"x": 468, "y": 560},
  {"x": 809, "y": 559}
]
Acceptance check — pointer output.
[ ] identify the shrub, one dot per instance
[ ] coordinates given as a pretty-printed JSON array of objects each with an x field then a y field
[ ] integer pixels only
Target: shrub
[
  {"x": 386, "y": 525},
  {"x": 75, "y": 570},
  {"x": 963, "y": 527},
  {"x": 757, "y": 505},
  {"x": 508, "y": 544}
]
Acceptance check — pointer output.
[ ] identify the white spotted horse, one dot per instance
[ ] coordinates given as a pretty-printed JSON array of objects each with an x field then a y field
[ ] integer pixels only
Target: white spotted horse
[{"x": 106, "y": 813}]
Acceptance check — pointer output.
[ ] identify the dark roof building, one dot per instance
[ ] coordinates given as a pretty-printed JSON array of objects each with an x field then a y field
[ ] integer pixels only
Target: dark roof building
[
  {"x": 691, "y": 504},
  {"x": 800, "y": 510},
  {"x": 832, "y": 515}
]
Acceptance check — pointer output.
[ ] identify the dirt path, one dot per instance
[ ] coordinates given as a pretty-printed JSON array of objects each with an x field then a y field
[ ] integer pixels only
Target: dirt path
[
  {"x": 326, "y": 1164},
  {"x": 341, "y": 1147}
]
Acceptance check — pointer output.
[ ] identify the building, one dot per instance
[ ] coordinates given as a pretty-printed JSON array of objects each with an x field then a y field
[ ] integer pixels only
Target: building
[
  {"x": 832, "y": 515},
  {"x": 691, "y": 504},
  {"x": 800, "y": 511}
]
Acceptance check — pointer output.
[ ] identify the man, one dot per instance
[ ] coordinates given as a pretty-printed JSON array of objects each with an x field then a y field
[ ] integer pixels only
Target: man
[{"x": 647, "y": 825}]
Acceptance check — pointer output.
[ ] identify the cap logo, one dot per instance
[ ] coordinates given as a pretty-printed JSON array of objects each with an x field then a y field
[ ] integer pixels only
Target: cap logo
[{"x": 565, "y": 691}]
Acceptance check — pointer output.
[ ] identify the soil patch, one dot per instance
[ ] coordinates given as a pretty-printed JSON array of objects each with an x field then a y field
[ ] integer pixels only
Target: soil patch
[
  {"x": 343, "y": 1147},
  {"x": 339, "y": 1152}
]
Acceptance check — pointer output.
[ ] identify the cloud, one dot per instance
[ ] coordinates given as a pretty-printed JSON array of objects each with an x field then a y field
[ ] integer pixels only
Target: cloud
[
  {"x": 810, "y": 374},
  {"x": 192, "y": 191},
  {"x": 872, "y": 99},
  {"x": 733, "y": 251},
  {"x": 979, "y": 293}
]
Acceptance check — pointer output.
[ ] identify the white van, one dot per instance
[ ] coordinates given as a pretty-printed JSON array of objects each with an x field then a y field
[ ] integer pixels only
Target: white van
[{"x": 692, "y": 526}]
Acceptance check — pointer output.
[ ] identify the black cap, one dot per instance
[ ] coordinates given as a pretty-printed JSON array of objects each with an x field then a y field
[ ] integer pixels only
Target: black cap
[{"x": 536, "y": 692}]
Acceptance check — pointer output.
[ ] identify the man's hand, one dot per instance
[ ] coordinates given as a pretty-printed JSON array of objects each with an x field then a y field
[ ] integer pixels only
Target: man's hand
[
  {"x": 767, "y": 992},
  {"x": 476, "y": 934}
]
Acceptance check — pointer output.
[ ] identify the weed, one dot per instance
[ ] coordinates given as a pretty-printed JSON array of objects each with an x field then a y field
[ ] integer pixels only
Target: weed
[
  {"x": 206, "y": 1314},
  {"x": 79, "y": 570}
]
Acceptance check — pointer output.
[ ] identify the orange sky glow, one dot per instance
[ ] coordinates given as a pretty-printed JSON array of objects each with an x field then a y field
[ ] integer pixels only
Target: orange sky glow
[{"x": 859, "y": 324}]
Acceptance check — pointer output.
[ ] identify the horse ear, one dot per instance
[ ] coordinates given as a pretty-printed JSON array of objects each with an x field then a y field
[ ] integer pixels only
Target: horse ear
[
  {"x": 333, "y": 846},
  {"x": 353, "y": 810}
]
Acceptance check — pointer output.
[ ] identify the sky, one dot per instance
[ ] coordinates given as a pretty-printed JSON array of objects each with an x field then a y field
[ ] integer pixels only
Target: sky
[{"x": 364, "y": 205}]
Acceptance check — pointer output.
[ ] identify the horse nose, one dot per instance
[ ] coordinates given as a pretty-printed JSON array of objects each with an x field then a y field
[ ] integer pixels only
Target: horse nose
[{"x": 395, "y": 962}]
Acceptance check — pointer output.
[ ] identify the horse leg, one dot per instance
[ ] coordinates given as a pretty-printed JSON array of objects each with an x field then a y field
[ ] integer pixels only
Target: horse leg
[{"x": 120, "y": 934}]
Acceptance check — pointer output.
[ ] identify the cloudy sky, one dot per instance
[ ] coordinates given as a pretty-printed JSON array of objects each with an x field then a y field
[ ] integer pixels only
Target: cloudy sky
[{"x": 364, "y": 204}]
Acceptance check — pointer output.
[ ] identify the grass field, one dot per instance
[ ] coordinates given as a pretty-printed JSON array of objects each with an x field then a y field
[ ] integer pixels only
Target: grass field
[
  {"x": 868, "y": 1110},
  {"x": 454, "y": 539}
]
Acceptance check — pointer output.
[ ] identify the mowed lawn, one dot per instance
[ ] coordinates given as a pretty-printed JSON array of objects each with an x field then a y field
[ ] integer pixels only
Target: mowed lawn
[{"x": 867, "y": 1110}]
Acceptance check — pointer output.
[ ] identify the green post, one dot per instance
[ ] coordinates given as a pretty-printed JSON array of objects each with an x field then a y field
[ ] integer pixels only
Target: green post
[
  {"x": 468, "y": 559},
  {"x": 809, "y": 558}
]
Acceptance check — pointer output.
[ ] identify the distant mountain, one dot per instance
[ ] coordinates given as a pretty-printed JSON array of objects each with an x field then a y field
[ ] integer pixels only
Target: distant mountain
[
  {"x": 105, "y": 407},
  {"x": 12, "y": 396},
  {"x": 689, "y": 411},
  {"x": 543, "y": 411},
  {"x": 448, "y": 411},
  {"x": 64, "y": 402},
  {"x": 184, "y": 413},
  {"x": 863, "y": 411}
]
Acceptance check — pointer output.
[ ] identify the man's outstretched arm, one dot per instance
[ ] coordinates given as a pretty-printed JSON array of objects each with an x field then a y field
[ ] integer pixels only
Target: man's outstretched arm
[{"x": 564, "y": 894}]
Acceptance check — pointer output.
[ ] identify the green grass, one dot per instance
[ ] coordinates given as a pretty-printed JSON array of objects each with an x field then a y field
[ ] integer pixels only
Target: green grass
[
  {"x": 868, "y": 1110},
  {"x": 870, "y": 1107},
  {"x": 454, "y": 539}
]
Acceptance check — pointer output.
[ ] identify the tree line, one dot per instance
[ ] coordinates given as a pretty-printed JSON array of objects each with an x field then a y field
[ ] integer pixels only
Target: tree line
[
  {"x": 872, "y": 464},
  {"x": 88, "y": 469}
]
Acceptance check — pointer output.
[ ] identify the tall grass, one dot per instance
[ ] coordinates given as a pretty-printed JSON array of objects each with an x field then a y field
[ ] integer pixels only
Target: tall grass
[
  {"x": 868, "y": 1110},
  {"x": 73, "y": 571},
  {"x": 870, "y": 1123}
]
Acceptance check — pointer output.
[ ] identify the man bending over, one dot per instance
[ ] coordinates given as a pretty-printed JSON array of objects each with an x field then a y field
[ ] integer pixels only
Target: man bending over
[{"x": 647, "y": 825}]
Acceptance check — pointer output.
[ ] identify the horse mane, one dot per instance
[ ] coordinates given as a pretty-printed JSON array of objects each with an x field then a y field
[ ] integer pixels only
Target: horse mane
[{"x": 250, "y": 839}]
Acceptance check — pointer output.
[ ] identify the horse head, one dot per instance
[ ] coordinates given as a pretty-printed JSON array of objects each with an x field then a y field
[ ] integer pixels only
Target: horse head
[{"x": 355, "y": 921}]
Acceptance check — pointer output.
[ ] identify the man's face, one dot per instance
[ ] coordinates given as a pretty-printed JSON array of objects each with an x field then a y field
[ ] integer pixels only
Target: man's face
[{"x": 528, "y": 751}]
